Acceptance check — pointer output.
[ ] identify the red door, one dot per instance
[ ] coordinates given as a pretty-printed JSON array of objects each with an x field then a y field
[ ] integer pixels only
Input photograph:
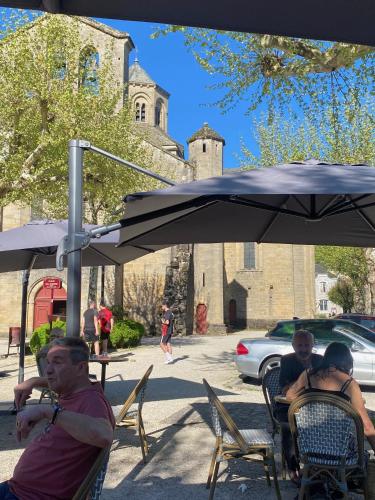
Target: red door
[{"x": 44, "y": 304}]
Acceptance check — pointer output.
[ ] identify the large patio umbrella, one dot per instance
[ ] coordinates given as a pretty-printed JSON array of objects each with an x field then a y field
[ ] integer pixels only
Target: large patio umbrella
[
  {"x": 303, "y": 203},
  {"x": 34, "y": 246},
  {"x": 341, "y": 20}
]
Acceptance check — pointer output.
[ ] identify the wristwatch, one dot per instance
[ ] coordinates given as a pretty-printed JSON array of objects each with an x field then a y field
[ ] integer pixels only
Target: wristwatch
[{"x": 56, "y": 410}]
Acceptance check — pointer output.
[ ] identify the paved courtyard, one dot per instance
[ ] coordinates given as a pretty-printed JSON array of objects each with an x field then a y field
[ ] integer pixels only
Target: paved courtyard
[{"x": 177, "y": 422}]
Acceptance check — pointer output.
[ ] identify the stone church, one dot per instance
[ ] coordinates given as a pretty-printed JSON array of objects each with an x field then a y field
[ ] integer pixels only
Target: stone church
[{"x": 211, "y": 287}]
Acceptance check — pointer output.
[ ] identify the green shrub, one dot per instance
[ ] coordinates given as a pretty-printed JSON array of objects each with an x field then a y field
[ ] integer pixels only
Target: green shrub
[
  {"x": 126, "y": 333},
  {"x": 41, "y": 335}
]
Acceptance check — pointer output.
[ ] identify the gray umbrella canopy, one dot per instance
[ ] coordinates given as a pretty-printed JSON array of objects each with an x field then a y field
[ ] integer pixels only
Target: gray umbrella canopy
[
  {"x": 41, "y": 238},
  {"x": 341, "y": 20},
  {"x": 301, "y": 203}
]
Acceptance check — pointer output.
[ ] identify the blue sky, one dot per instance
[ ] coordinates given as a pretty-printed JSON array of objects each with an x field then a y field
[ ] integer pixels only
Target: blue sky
[{"x": 169, "y": 63}]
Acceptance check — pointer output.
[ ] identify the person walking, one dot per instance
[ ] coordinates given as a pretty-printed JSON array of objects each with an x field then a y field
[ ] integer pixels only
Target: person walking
[
  {"x": 90, "y": 327},
  {"x": 105, "y": 319},
  {"x": 167, "y": 321}
]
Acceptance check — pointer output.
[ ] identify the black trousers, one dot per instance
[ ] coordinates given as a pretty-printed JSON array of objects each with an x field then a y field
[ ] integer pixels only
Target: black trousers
[{"x": 287, "y": 444}]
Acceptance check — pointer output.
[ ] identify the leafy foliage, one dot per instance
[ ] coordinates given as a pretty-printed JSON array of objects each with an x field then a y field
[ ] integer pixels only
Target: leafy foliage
[
  {"x": 274, "y": 69},
  {"x": 46, "y": 101},
  {"x": 343, "y": 295},
  {"x": 41, "y": 336},
  {"x": 126, "y": 333}
]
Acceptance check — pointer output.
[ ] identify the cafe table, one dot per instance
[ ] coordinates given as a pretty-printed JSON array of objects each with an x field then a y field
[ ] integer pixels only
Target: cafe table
[{"x": 104, "y": 361}]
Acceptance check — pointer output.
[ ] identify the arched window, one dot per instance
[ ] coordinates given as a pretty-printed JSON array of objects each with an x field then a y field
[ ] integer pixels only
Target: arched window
[
  {"x": 249, "y": 258},
  {"x": 159, "y": 114},
  {"x": 140, "y": 110},
  {"x": 88, "y": 69},
  {"x": 137, "y": 112},
  {"x": 204, "y": 147}
]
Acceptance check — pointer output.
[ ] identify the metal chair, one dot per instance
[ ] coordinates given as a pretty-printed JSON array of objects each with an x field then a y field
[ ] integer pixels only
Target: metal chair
[
  {"x": 271, "y": 388},
  {"x": 235, "y": 443},
  {"x": 329, "y": 440},
  {"x": 129, "y": 417},
  {"x": 92, "y": 486}
]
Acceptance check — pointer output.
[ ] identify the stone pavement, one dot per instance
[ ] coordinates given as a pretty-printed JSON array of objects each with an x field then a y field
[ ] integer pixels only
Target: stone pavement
[{"x": 177, "y": 422}]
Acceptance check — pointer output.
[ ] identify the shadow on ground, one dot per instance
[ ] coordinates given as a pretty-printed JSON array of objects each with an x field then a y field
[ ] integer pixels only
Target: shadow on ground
[
  {"x": 185, "y": 443},
  {"x": 158, "y": 389}
]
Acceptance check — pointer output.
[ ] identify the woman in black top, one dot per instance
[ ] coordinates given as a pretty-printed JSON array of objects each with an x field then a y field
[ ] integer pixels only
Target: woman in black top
[{"x": 334, "y": 376}]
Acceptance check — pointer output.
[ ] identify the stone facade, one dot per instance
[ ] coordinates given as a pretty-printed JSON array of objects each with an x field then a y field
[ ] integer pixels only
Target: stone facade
[{"x": 209, "y": 287}]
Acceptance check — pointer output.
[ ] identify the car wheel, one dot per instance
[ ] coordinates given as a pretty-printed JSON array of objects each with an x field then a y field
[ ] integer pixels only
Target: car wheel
[{"x": 269, "y": 364}]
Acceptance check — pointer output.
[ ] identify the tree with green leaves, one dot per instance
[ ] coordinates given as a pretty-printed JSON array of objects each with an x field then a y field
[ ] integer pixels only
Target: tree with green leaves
[
  {"x": 342, "y": 294},
  {"x": 274, "y": 69},
  {"x": 53, "y": 90}
]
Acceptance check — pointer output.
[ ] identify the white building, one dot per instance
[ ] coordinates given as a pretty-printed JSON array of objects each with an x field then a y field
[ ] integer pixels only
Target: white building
[{"x": 324, "y": 281}]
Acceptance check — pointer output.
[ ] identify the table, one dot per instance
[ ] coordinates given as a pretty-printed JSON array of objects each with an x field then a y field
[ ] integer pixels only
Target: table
[
  {"x": 104, "y": 361},
  {"x": 282, "y": 399}
]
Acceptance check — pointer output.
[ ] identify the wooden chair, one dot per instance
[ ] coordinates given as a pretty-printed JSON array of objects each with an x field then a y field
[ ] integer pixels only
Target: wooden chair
[
  {"x": 129, "y": 417},
  {"x": 329, "y": 439},
  {"x": 234, "y": 443},
  {"x": 271, "y": 388},
  {"x": 92, "y": 486},
  {"x": 14, "y": 339}
]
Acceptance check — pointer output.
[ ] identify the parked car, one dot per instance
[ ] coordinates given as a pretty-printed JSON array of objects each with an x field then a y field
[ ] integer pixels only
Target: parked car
[
  {"x": 361, "y": 319},
  {"x": 254, "y": 357}
]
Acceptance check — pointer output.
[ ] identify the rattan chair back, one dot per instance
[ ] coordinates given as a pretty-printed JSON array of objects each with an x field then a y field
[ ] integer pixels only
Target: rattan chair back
[
  {"x": 92, "y": 486},
  {"x": 271, "y": 388},
  {"x": 220, "y": 416},
  {"x": 327, "y": 430},
  {"x": 136, "y": 396}
]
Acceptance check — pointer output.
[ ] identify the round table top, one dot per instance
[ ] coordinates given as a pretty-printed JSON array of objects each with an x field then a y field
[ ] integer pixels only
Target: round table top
[{"x": 107, "y": 359}]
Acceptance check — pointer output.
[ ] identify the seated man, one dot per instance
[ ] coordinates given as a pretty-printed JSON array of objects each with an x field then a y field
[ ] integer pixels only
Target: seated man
[
  {"x": 56, "y": 462},
  {"x": 291, "y": 367}
]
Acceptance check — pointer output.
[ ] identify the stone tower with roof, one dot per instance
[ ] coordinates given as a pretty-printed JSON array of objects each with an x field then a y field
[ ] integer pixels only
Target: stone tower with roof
[{"x": 206, "y": 156}]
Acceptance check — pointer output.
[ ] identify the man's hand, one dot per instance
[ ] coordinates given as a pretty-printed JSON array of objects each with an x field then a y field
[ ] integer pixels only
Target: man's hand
[
  {"x": 27, "y": 419},
  {"x": 22, "y": 392},
  {"x": 82, "y": 333}
]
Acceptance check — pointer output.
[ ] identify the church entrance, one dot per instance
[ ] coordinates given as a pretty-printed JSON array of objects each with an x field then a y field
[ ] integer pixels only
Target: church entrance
[
  {"x": 232, "y": 312},
  {"x": 49, "y": 302}
]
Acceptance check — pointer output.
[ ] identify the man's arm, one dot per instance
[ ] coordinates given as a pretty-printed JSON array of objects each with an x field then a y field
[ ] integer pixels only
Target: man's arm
[
  {"x": 96, "y": 324},
  {"x": 112, "y": 322},
  {"x": 83, "y": 326},
  {"x": 90, "y": 430},
  {"x": 23, "y": 391}
]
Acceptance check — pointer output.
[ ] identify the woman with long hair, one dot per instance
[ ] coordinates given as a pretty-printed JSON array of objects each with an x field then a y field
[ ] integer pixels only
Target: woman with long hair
[{"x": 334, "y": 375}]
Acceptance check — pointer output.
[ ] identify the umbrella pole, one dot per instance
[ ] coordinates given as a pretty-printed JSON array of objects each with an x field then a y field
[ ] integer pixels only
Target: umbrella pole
[
  {"x": 25, "y": 286},
  {"x": 73, "y": 312}
]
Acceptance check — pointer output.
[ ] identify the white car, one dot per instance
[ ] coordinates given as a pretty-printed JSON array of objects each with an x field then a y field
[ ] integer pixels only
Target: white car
[{"x": 254, "y": 357}]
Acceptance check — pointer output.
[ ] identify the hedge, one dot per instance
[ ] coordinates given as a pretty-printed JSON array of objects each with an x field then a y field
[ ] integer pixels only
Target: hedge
[
  {"x": 126, "y": 333},
  {"x": 41, "y": 335}
]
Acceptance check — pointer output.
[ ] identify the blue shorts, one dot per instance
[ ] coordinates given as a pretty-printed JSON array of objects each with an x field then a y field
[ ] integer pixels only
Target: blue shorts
[{"x": 166, "y": 339}]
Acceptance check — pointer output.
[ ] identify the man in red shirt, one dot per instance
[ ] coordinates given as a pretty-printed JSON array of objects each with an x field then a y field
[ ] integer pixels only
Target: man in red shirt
[
  {"x": 105, "y": 320},
  {"x": 54, "y": 464}
]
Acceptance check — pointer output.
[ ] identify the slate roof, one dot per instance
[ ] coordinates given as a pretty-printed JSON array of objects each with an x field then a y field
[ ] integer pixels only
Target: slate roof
[
  {"x": 138, "y": 75},
  {"x": 206, "y": 132},
  {"x": 157, "y": 137}
]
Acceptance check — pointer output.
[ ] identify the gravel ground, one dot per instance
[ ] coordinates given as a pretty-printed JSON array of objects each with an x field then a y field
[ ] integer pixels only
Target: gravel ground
[{"x": 176, "y": 418}]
